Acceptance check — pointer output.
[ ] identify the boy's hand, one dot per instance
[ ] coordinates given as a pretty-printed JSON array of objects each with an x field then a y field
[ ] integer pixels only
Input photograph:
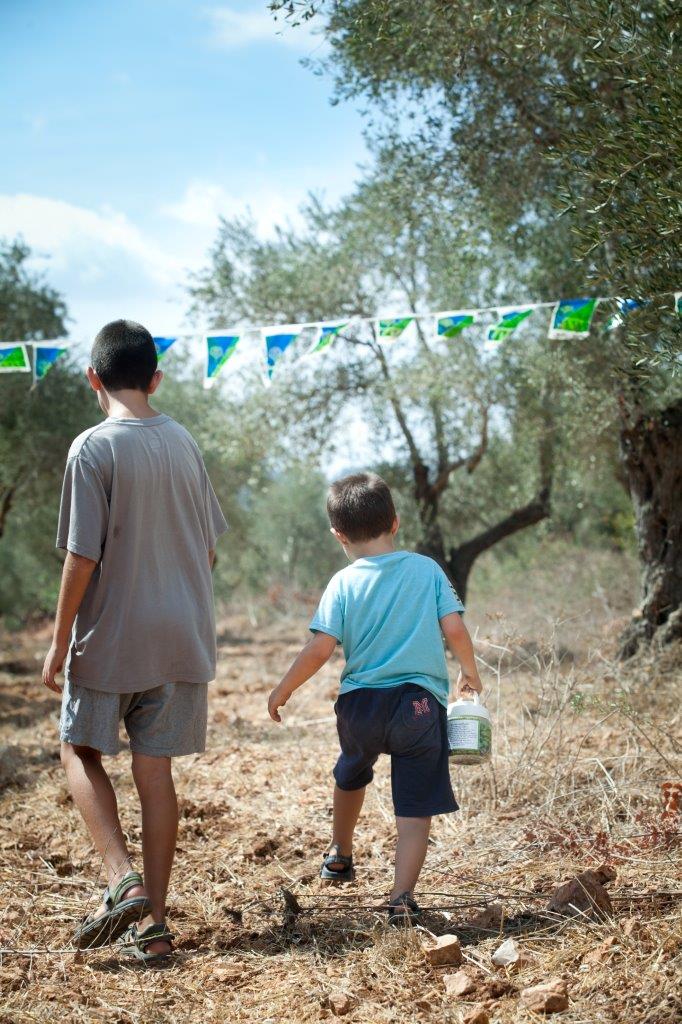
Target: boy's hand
[
  {"x": 277, "y": 700},
  {"x": 471, "y": 682},
  {"x": 54, "y": 662}
]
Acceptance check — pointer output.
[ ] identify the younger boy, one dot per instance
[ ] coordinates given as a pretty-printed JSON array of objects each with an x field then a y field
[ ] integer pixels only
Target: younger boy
[
  {"x": 388, "y": 610},
  {"x": 135, "y": 624}
]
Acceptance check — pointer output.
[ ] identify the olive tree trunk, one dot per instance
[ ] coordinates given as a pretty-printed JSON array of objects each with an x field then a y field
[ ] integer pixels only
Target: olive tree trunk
[{"x": 651, "y": 453}]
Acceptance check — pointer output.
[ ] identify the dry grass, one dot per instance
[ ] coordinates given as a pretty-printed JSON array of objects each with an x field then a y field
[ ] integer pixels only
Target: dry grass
[{"x": 583, "y": 747}]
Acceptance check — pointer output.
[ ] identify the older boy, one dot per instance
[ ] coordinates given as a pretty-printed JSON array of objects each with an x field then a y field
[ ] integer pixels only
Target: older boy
[
  {"x": 135, "y": 624},
  {"x": 388, "y": 610}
]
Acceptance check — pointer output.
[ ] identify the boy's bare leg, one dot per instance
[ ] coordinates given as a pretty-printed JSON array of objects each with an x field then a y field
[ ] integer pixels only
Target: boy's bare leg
[
  {"x": 94, "y": 797},
  {"x": 347, "y": 807},
  {"x": 154, "y": 780},
  {"x": 410, "y": 853}
]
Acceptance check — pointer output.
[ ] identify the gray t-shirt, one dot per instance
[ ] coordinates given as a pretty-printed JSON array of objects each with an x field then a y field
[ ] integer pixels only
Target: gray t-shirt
[{"x": 137, "y": 500}]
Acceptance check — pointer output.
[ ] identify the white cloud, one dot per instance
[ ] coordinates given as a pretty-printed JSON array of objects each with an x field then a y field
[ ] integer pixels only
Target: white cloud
[
  {"x": 233, "y": 30},
  {"x": 88, "y": 238},
  {"x": 103, "y": 264},
  {"x": 204, "y": 202}
]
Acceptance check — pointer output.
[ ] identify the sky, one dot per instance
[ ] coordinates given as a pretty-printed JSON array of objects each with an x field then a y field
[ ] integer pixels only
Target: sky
[{"x": 129, "y": 127}]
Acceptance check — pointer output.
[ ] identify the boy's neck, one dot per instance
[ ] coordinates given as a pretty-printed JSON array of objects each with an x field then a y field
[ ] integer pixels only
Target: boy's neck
[
  {"x": 382, "y": 545},
  {"x": 127, "y": 404}
]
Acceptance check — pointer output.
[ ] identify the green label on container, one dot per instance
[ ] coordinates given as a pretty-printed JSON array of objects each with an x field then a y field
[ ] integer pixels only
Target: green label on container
[{"x": 471, "y": 735}]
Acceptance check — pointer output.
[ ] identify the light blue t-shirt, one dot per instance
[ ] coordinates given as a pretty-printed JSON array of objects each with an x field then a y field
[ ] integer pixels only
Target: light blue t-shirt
[{"x": 385, "y": 611}]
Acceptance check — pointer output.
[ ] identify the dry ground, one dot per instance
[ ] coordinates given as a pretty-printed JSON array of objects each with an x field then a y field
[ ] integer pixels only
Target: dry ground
[{"x": 582, "y": 748}]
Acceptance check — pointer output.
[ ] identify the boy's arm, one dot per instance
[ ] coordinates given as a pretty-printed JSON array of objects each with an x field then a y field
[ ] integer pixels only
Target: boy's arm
[
  {"x": 76, "y": 575},
  {"x": 310, "y": 660},
  {"x": 458, "y": 640}
]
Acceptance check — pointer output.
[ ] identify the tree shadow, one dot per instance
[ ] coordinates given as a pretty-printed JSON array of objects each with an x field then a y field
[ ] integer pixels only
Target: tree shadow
[{"x": 19, "y": 711}]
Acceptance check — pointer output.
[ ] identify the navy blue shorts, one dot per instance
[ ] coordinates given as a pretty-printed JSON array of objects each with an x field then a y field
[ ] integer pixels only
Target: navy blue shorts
[{"x": 408, "y": 723}]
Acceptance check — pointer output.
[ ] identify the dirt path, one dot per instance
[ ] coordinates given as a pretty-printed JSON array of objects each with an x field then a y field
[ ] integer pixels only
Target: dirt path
[{"x": 573, "y": 783}]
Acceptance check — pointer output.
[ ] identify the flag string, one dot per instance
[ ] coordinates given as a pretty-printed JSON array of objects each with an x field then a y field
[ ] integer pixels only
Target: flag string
[{"x": 571, "y": 319}]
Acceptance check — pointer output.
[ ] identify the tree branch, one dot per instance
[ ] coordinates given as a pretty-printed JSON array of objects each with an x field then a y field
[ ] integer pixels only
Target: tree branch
[
  {"x": 470, "y": 461},
  {"x": 418, "y": 464},
  {"x": 533, "y": 512}
]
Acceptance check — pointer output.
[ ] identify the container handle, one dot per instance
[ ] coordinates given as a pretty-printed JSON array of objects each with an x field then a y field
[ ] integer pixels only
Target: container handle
[{"x": 472, "y": 696}]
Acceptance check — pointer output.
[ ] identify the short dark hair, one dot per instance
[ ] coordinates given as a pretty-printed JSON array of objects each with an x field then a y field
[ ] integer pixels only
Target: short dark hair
[
  {"x": 124, "y": 356},
  {"x": 360, "y": 506}
]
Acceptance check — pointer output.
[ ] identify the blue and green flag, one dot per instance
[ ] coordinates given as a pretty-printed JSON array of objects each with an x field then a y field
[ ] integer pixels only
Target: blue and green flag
[
  {"x": 625, "y": 306},
  {"x": 508, "y": 322},
  {"x": 572, "y": 318},
  {"x": 678, "y": 303},
  {"x": 219, "y": 348},
  {"x": 277, "y": 341},
  {"x": 14, "y": 358},
  {"x": 327, "y": 335},
  {"x": 45, "y": 355},
  {"x": 162, "y": 346},
  {"x": 449, "y": 325},
  {"x": 393, "y": 327}
]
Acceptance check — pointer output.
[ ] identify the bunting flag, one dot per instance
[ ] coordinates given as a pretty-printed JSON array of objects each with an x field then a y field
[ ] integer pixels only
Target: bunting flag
[
  {"x": 45, "y": 355},
  {"x": 14, "y": 358},
  {"x": 394, "y": 327},
  {"x": 327, "y": 335},
  {"x": 625, "y": 306},
  {"x": 162, "y": 346},
  {"x": 277, "y": 341},
  {"x": 510, "y": 319},
  {"x": 219, "y": 348},
  {"x": 449, "y": 325},
  {"x": 572, "y": 318}
]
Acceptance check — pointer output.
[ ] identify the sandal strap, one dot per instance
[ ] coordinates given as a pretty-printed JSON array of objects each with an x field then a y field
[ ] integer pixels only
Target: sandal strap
[
  {"x": 406, "y": 901},
  {"x": 152, "y": 933},
  {"x": 336, "y": 858},
  {"x": 112, "y": 899}
]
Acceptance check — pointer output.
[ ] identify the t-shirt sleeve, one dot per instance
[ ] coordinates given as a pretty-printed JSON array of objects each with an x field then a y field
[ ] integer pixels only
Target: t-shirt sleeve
[
  {"x": 447, "y": 598},
  {"x": 329, "y": 615},
  {"x": 217, "y": 523},
  {"x": 84, "y": 510}
]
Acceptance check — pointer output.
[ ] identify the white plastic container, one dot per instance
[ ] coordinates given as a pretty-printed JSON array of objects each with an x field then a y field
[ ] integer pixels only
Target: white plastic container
[{"x": 470, "y": 731}]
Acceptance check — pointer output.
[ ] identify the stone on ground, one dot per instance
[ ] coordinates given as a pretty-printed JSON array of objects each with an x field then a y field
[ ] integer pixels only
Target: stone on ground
[
  {"x": 444, "y": 952},
  {"x": 490, "y": 917},
  {"x": 459, "y": 984},
  {"x": 476, "y": 1015},
  {"x": 507, "y": 954},
  {"x": 339, "y": 1003},
  {"x": 548, "y": 997},
  {"x": 584, "y": 894}
]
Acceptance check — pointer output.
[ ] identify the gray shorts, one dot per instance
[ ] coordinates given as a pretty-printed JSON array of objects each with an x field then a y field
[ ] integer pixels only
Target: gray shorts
[{"x": 167, "y": 721}]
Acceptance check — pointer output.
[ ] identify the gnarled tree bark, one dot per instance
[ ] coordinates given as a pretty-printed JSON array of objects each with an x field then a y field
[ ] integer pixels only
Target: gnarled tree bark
[{"x": 651, "y": 454}]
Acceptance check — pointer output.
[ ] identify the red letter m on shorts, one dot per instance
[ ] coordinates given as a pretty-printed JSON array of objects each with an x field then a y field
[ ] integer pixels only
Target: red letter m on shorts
[{"x": 421, "y": 707}]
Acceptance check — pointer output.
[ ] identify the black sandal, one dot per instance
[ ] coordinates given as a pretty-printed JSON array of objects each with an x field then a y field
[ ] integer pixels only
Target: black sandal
[
  {"x": 135, "y": 942},
  {"x": 346, "y": 873},
  {"x": 119, "y": 915},
  {"x": 403, "y": 911}
]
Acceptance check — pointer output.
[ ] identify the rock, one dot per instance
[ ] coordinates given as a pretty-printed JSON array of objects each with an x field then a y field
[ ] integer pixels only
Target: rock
[
  {"x": 491, "y": 917},
  {"x": 459, "y": 984},
  {"x": 584, "y": 894},
  {"x": 226, "y": 974},
  {"x": 339, "y": 1003},
  {"x": 506, "y": 954},
  {"x": 549, "y": 997},
  {"x": 444, "y": 952},
  {"x": 602, "y": 952},
  {"x": 630, "y": 925},
  {"x": 476, "y": 1015}
]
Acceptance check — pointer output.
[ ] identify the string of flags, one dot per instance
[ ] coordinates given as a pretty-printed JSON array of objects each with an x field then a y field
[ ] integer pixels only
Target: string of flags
[{"x": 571, "y": 319}]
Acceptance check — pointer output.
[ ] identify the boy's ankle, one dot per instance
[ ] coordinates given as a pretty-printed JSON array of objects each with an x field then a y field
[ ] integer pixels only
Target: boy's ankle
[{"x": 341, "y": 849}]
